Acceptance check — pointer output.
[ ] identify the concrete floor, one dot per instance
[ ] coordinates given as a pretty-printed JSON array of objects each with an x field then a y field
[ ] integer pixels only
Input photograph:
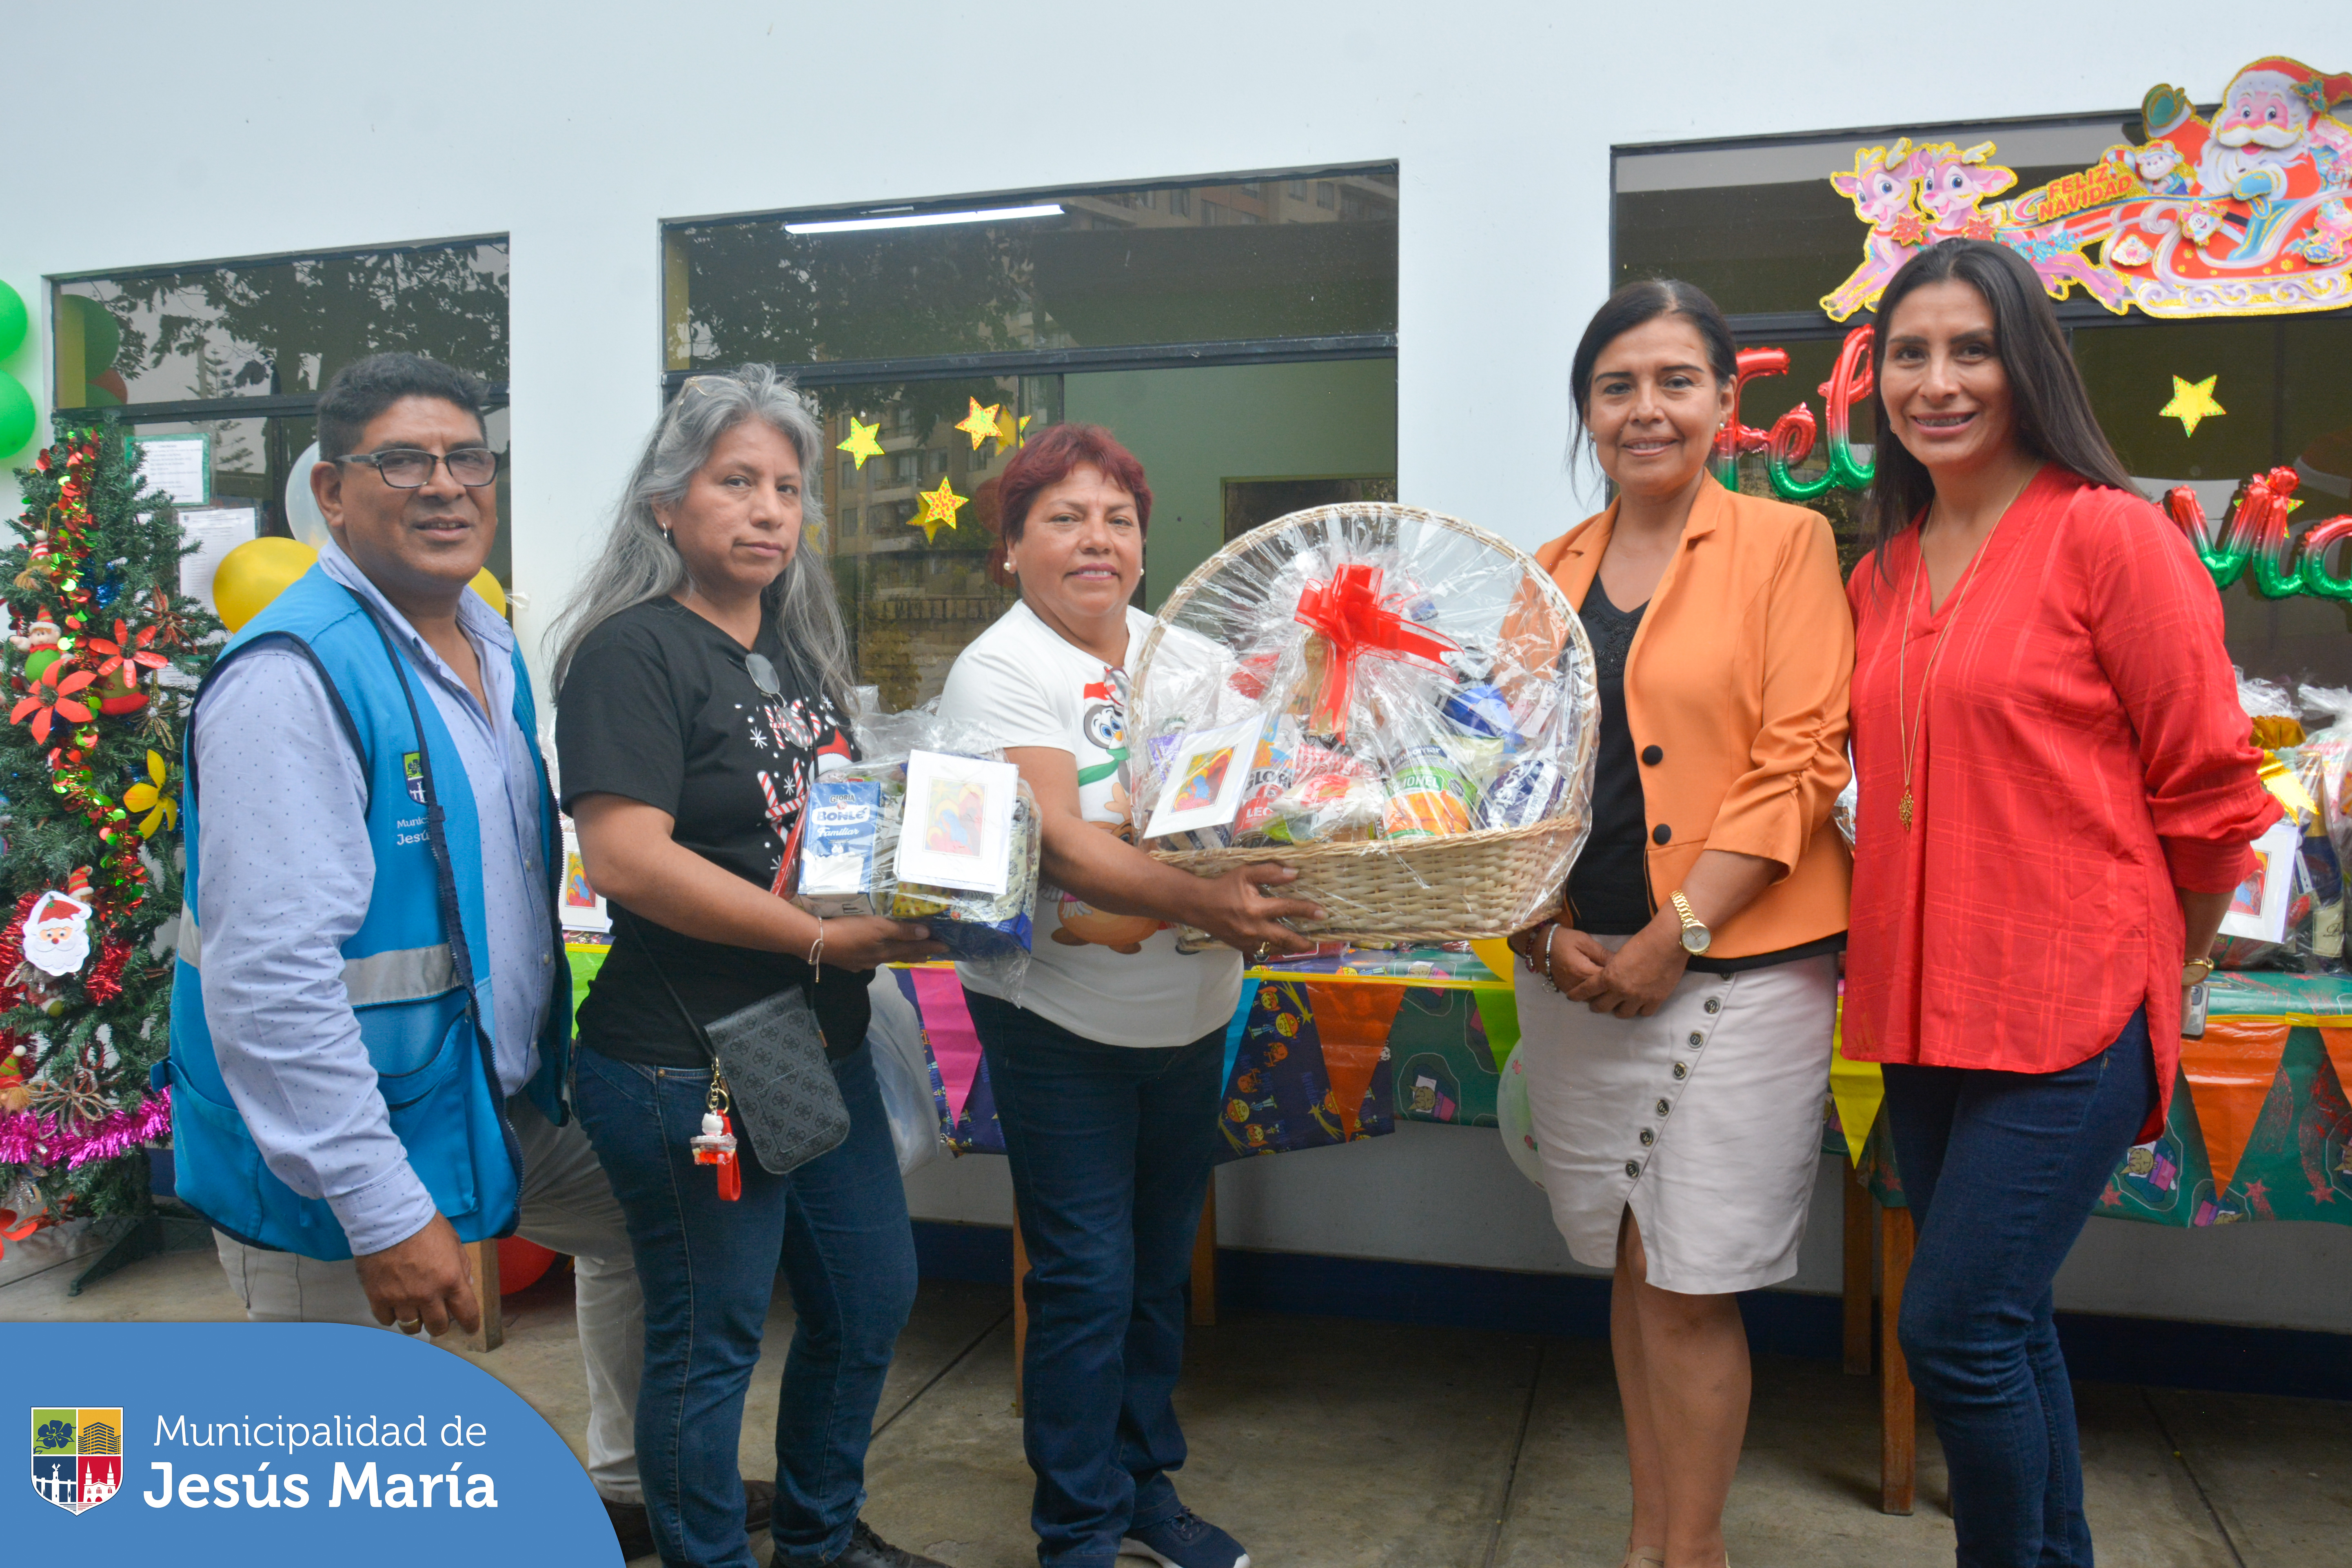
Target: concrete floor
[{"x": 1321, "y": 1441}]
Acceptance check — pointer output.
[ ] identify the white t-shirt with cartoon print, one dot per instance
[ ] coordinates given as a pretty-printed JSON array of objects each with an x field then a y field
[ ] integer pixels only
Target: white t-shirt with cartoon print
[{"x": 1117, "y": 979}]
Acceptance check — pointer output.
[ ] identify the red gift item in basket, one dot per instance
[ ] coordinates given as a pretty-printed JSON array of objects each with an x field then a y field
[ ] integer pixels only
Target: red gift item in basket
[{"x": 1351, "y": 614}]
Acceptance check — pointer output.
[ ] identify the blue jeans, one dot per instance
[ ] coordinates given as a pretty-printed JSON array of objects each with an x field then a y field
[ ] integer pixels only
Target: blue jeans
[
  {"x": 2001, "y": 1169},
  {"x": 1110, "y": 1148},
  {"x": 836, "y": 1228}
]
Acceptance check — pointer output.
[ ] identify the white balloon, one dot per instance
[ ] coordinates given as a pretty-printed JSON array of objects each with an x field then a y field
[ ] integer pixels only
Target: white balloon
[
  {"x": 1517, "y": 1120},
  {"x": 302, "y": 513}
]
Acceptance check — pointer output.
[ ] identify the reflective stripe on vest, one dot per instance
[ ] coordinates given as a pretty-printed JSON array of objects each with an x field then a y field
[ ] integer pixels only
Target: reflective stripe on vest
[{"x": 402, "y": 974}]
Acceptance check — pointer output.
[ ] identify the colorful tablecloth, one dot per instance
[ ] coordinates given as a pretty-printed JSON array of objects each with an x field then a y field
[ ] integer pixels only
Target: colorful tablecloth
[{"x": 1331, "y": 1049}]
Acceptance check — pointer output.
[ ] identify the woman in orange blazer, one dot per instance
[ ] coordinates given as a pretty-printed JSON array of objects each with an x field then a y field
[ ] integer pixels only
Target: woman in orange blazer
[{"x": 1676, "y": 1021}]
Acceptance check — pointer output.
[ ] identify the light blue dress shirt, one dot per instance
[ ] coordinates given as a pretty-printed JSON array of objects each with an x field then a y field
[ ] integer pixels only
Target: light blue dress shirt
[{"x": 286, "y": 879}]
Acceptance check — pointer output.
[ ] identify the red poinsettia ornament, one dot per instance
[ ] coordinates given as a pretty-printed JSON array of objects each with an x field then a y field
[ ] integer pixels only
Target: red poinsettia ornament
[
  {"x": 51, "y": 697},
  {"x": 119, "y": 675}
]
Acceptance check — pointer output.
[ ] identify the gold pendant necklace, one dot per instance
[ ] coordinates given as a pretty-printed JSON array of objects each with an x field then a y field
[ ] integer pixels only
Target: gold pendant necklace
[{"x": 1907, "y": 733}]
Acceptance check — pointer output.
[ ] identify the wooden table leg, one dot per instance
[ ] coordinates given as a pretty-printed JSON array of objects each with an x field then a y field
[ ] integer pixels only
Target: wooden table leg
[
  {"x": 1857, "y": 1274},
  {"x": 482, "y": 1264},
  {"x": 1020, "y": 1311},
  {"x": 1205, "y": 1259},
  {"x": 1899, "y": 1440}
]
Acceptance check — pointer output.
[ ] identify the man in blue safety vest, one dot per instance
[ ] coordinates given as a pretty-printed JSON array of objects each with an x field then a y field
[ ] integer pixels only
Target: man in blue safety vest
[{"x": 372, "y": 1013}]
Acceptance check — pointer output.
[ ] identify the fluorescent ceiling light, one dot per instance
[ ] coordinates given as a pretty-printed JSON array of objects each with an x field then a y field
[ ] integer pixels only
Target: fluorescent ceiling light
[{"x": 924, "y": 220}]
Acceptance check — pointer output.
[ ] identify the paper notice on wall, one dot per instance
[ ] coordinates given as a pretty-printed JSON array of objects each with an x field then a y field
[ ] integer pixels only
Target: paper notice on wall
[
  {"x": 215, "y": 532},
  {"x": 178, "y": 466}
]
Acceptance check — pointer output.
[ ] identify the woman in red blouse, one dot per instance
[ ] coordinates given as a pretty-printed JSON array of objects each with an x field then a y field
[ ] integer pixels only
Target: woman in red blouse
[{"x": 2056, "y": 794}]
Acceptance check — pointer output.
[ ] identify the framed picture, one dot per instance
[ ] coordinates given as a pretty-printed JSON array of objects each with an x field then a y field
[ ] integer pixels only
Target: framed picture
[
  {"x": 1207, "y": 774},
  {"x": 959, "y": 822},
  {"x": 2258, "y": 909},
  {"x": 579, "y": 906}
]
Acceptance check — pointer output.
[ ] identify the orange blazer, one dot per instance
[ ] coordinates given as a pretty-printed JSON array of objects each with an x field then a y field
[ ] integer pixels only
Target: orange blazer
[{"x": 1736, "y": 692}]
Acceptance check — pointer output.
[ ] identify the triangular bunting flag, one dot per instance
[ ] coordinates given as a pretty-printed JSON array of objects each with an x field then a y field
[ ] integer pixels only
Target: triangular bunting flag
[
  {"x": 1497, "y": 956},
  {"x": 1498, "y": 1015},
  {"x": 1858, "y": 1090},
  {"x": 2338, "y": 1041},
  {"x": 2229, "y": 1073},
  {"x": 947, "y": 1028},
  {"x": 1352, "y": 1021}
]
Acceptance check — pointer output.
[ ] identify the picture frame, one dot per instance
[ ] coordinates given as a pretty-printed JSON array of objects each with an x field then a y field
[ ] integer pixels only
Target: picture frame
[
  {"x": 1207, "y": 774},
  {"x": 2258, "y": 906},
  {"x": 958, "y": 821},
  {"x": 579, "y": 906}
]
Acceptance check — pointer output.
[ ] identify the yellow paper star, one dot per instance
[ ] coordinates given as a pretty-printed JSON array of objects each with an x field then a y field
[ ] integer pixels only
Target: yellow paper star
[
  {"x": 979, "y": 423},
  {"x": 2191, "y": 402},
  {"x": 939, "y": 507},
  {"x": 861, "y": 444},
  {"x": 1011, "y": 433}
]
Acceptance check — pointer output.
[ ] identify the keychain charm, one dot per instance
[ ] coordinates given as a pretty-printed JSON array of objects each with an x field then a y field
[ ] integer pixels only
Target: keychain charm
[{"x": 715, "y": 1146}]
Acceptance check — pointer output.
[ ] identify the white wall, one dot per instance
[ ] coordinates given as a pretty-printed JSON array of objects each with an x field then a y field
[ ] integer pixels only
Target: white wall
[{"x": 576, "y": 128}]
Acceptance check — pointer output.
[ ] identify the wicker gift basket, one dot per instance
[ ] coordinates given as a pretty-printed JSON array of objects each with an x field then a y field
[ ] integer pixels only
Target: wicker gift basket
[{"x": 1358, "y": 630}]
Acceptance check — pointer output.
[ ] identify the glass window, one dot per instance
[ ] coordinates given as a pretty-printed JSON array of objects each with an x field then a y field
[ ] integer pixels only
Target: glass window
[
  {"x": 187, "y": 350},
  {"x": 256, "y": 329},
  {"x": 2286, "y": 405},
  {"x": 1221, "y": 445},
  {"x": 1083, "y": 268},
  {"x": 914, "y": 593}
]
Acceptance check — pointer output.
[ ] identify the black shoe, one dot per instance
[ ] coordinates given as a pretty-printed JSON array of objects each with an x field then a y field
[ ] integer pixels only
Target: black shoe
[
  {"x": 633, "y": 1527},
  {"x": 867, "y": 1549}
]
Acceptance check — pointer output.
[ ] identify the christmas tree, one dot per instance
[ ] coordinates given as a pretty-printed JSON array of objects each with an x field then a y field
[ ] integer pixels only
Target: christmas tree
[{"x": 100, "y": 670}]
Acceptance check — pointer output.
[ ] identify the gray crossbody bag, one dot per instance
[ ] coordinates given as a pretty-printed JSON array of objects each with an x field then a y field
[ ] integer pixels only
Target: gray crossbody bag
[{"x": 768, "y": 1060}]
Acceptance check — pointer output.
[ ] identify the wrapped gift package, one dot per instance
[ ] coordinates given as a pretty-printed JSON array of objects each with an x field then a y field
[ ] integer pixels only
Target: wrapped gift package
[
  {"x": 933, "y": 825},
  {"x": 1395, "y": 703}
]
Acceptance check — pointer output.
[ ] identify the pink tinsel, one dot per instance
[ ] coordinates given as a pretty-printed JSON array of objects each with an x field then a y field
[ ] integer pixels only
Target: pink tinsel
[{"x": 27, "y": 1139}]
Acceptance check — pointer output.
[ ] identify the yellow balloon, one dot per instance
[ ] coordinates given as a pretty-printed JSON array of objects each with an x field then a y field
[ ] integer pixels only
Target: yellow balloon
[
  {"x": 253, "y": 574},
  {"x": 487, "y": 587}
]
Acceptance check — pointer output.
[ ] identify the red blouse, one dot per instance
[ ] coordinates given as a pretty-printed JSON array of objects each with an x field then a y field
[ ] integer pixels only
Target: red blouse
[{"x": 2081, "y": 755}]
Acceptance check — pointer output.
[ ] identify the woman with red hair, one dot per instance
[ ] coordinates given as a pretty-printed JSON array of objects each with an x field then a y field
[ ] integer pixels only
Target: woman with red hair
[{"x": 1108, "y": 1068}]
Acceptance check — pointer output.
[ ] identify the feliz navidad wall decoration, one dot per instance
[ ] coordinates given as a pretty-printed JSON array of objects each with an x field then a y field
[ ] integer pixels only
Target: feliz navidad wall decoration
[{"x": 2248, "y": 214}]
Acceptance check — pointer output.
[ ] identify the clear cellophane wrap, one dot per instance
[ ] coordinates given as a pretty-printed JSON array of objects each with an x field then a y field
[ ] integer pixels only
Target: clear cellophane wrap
[
  {"x": 989, "y": 930},
  {"x": 2304, "y": 739},
  {"x": 1434, "y": 783}
]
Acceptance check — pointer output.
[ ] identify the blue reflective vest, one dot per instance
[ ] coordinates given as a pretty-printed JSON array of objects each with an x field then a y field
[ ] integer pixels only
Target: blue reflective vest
[{"x": 424, "y": 1035}]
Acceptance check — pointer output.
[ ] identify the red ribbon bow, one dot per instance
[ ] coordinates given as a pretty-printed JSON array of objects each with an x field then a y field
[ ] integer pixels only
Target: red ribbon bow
[{"x": 1350, "y": 612}]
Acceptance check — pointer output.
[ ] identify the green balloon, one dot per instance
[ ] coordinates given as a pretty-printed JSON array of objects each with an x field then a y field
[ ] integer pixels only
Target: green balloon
[
  {"x": 12, "y": 321},
  {"x": 18, "y": 418}
]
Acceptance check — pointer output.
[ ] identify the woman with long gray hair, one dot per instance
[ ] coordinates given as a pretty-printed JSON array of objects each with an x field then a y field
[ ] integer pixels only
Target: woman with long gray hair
[{"x": 702, "y": 685}]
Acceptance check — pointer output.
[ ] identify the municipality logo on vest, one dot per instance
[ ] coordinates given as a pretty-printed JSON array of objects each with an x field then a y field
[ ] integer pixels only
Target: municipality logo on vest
[{"x": 76, "y": 1456}]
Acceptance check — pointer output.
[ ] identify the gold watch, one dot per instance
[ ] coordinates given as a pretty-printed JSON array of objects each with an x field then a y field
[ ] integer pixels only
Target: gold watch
[
  {"x": 1697, "y": 937},
  {"x": 2196, "y": 971}
]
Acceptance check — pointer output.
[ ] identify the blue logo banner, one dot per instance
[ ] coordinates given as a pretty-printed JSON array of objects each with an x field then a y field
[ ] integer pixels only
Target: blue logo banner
[{"x": 239, "y": 1443}]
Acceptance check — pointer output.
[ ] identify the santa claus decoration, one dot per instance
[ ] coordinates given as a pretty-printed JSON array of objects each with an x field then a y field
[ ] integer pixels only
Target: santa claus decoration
[{"x": 56, "y": 928}]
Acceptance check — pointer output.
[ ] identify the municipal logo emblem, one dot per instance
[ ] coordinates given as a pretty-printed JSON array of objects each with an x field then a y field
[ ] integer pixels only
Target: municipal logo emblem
[
  {"x": 411, "y": 764},
  {"x": 76, "y": 1456}
]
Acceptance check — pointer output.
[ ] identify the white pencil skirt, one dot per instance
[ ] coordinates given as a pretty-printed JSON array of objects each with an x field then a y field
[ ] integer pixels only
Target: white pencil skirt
[{"x": 1704, "y": 1119}]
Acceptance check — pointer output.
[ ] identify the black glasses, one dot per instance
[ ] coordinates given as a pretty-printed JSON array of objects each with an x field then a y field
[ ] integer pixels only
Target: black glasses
[
  {"x": 405, "y": 469},
  {"x": 763, "y": 676}
]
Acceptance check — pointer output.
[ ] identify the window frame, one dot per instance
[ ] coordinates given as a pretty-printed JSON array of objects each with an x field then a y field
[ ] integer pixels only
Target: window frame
[{"x": 1066, "y": 361}]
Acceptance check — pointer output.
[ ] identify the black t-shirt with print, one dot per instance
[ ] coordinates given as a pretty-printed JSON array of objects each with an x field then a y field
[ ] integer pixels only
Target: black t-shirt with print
[{"x": 659, "y": 707}]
